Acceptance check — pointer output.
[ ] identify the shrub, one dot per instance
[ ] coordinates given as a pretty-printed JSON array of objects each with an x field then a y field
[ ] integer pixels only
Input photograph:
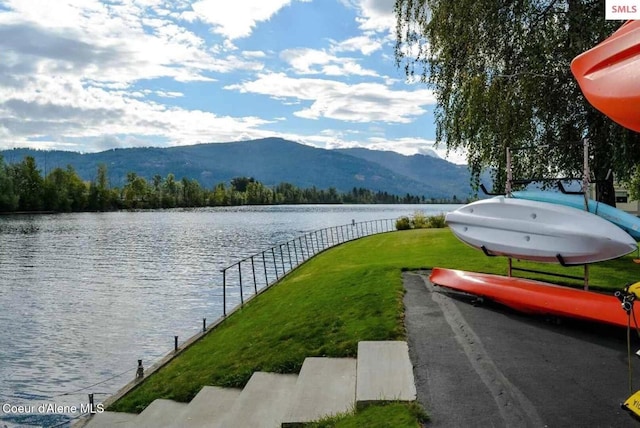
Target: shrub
[
  {"x": 420, "y": 221},
  {"x": 403, "y": 223},
  {"x": 437, "y": 221}
]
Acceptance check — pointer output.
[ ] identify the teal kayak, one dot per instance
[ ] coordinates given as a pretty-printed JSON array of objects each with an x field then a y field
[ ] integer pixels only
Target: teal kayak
[{"x": 627, "y": 222}]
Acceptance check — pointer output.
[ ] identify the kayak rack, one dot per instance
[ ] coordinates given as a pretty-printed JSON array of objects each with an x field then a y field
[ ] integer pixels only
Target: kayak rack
[
  {"x": 559, "y": 181},
  {"x": 584, "y": 191},
  {"x": 585, "y": 277}
]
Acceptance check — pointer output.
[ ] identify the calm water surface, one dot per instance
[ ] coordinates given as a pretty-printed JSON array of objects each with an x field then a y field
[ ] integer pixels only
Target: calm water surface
[{"x": 84, "y": 296}]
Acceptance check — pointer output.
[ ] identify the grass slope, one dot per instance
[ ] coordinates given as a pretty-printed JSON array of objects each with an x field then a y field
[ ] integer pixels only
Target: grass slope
[{"x": 351, "y": 293}]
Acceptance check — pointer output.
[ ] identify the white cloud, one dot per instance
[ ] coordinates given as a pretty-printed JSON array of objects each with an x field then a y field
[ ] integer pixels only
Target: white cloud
[
  {"x": 315, "y": 61},
  {"x": 254, "y": 54},
  {"x": 60, "y": 110},
  {"x": 237, "y": 18},
  {"x": 375, "y": 15},
  {"x": 365, "y": 44},
  {"x": 107, "y": 42},
  {"x": 363, "y": 102},
  {"x": 170, "y": 94}
]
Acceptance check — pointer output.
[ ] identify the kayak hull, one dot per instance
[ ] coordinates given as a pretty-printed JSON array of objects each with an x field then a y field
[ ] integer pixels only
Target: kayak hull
[
  {"x": 538, "y": 231},
  {"x": 535, "y": 297},
  {"x": 608, "y": 75}
]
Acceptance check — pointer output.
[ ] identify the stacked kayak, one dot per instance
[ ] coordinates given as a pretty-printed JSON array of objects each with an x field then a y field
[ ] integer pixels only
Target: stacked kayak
[{"x": 538, "y": 231}]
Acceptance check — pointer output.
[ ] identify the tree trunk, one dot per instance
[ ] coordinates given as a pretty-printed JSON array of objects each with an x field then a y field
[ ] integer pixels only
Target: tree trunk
[{"x": 605, "y": 191}]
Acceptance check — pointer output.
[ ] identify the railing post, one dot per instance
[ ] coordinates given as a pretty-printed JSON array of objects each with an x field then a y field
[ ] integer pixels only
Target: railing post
[
  {"x": 139, "y": 370},
  {"x": 275, "y": 265},
  {"x": 240, "y": 276},
  {"x": 224, "y": 292},
  {"x": 253, "y": 269},
  {"x": 295, "y": 250},
  {"x": 306, "y": 243},
  {"x": 204, "y": 325},
  {"x": 175, "y": 343},
  {"x": 301, "y": 249},
  {"x": 264, "y": 263},
  {"x": 289, "y": 253},
  {"x": 284, "y": 270}
]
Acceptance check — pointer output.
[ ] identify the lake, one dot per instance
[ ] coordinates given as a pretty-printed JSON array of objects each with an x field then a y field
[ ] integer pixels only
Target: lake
[{"x": 83, "y": 296}]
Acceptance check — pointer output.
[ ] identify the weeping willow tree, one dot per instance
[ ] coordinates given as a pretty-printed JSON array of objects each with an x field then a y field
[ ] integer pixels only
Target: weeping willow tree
[{"x": 500, "y": 71}]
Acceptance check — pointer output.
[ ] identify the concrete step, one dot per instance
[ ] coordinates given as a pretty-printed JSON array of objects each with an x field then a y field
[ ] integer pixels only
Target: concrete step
[
  {"x": 111, "y": 420},
  {"x": 160, "y": 413},
  {"x": 207, "y": 407},
  {"x": 326, "y": 386},
  {"x": 262, "y": 403},
  {"x": 384, "y": 373}
]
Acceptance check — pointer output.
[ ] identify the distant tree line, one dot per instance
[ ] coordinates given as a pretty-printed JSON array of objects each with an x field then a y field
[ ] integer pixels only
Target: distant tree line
[{"x": 23, "y": 188}]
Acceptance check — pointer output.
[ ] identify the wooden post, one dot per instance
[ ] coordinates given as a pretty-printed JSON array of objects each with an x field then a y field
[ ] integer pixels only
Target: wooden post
[
  {"x": 507, "y": 185},
  {"x": 585, "y": 173},
  {"x": 586, "y": 277}
]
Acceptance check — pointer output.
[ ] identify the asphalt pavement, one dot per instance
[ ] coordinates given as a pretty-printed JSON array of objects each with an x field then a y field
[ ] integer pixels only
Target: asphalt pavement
[{"x": 484, "y": 365}]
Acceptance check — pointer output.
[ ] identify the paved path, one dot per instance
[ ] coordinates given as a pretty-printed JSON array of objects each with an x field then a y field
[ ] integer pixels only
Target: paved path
[{"x": 487, "y": 366}]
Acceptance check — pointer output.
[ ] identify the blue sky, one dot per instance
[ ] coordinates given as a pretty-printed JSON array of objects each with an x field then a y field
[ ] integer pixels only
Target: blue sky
[{"x": 89, "y": 75}]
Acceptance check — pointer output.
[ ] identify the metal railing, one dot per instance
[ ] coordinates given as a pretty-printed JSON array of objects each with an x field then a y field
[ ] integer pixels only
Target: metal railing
[
  {"x": 248, "y": 277},
  {"x": 257, "y": 272}
]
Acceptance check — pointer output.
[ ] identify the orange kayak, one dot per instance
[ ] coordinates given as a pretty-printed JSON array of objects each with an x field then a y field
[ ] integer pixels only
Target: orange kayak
[
  {"x": 609, "y": 75},
  {"x": 535, "y": 297}
]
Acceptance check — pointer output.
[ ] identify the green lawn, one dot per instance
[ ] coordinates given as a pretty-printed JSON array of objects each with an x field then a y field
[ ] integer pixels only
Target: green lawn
[{"x": 350, "y": 293}]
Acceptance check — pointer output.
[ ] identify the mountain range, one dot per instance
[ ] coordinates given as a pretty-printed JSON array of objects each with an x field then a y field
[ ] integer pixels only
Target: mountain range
[{"x": 270, "y": 161}]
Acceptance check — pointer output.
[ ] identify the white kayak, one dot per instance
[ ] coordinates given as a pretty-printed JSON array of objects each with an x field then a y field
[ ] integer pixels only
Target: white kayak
[{"x": 538, "y": 231}]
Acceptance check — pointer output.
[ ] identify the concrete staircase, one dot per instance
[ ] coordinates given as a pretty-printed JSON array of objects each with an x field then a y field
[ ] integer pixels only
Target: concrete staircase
[{"x": 325, "y": 386}]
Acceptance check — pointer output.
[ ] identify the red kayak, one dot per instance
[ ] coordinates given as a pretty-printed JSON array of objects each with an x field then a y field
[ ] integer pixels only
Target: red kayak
[
  {"x": 609, "y": 75},
  {"x": 535, "y": 297}
]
